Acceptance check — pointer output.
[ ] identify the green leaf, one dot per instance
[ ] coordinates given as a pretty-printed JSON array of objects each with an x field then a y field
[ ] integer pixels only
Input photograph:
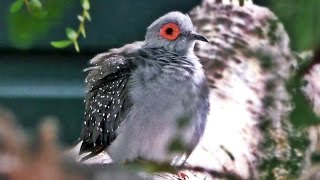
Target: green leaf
[
  {"x": 85, "y": 4},
  {"x": 61, "y": 44},
  {"x": 81, "y": 19},
  {"x": 16, "y": 6},
  {"x": 83, "y": 31},
  {"x": 177, "y": 145},
  {"x": 183, "y": 121},
  {"x": 87, "y": 15},
  {"x": 71, "y": 34},
  {"x": 76, "y": 46},
  {"x": 35, "y": 4}
]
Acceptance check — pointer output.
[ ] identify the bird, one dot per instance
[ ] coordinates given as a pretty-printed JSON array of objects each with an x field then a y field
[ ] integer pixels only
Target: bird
[{"x": 147, "y": 100}]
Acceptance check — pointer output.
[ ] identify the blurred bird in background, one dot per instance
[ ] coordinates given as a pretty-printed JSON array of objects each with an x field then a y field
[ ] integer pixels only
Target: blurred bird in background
[{"x": 246, "y": 64}]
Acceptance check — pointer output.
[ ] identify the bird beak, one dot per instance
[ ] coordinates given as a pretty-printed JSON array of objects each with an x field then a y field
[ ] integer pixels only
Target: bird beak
[{"x": 199, "y": 37}]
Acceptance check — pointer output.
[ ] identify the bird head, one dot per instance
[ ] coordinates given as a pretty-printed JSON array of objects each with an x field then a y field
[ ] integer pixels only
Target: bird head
[{"x": 174, "y": 32}]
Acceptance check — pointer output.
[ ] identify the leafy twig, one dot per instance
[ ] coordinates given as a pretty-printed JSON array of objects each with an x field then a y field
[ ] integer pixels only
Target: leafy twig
[{"x": 73, "y": 35}]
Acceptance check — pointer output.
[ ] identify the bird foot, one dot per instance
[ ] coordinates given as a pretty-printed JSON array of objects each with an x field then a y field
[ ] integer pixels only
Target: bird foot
[{"x": 183, "y": 176}]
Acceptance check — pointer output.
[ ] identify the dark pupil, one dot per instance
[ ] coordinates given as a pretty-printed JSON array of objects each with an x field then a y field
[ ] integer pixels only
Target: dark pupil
[{"x": 169, "y": 31}]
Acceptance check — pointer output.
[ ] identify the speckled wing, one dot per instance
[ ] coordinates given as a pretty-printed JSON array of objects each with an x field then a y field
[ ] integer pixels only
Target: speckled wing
[{"x": 106, "y": 101}]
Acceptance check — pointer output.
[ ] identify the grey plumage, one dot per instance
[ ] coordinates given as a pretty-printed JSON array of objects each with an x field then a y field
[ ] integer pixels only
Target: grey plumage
[{"x": 143, "y": 96}]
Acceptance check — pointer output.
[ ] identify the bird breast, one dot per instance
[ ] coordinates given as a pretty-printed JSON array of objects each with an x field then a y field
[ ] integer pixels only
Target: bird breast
[{"x": 160, "y": 97}]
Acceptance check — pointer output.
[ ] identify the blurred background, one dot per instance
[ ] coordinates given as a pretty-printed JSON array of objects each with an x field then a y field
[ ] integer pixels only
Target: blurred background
[{"x": 37, "y": 80}]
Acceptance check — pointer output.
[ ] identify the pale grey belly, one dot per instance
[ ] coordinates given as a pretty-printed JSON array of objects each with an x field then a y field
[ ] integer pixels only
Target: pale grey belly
[{"x": 150, "y": 128}]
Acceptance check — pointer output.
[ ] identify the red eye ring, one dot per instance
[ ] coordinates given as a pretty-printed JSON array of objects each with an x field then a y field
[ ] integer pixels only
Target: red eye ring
[{"x": 170, "y": 31}]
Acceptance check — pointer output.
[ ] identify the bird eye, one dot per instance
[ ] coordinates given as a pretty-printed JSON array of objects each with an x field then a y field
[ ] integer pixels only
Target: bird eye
[{"x": 170, "y": 31}]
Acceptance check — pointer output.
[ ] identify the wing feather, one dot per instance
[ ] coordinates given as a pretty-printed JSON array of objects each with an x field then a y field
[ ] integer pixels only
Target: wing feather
[{"x": 106, "y": 102}]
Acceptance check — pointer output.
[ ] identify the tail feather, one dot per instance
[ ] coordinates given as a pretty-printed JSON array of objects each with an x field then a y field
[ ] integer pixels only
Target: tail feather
[{"x": 95, "y": 151}]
